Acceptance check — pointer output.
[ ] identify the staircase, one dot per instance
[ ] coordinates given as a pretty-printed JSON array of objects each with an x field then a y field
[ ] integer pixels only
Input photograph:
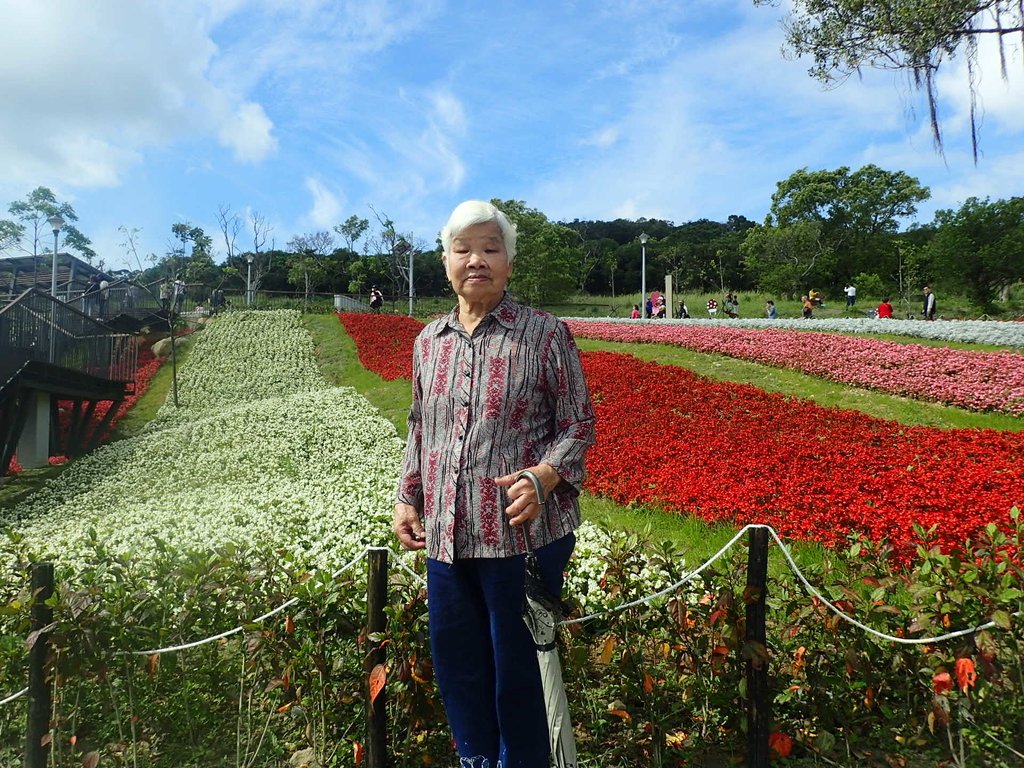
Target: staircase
[{"x": 52, "y": 351}]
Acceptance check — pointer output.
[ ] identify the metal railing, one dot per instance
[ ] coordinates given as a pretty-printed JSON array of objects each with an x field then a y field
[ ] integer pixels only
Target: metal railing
[
  {"x": 121, "y": 297},
  {"x": 36, "y": 327}
]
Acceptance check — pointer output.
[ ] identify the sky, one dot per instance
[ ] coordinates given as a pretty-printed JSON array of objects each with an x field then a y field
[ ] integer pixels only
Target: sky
[{"x": 143, "y": 114}]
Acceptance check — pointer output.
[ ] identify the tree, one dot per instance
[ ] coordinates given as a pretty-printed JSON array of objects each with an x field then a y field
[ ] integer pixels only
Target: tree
[
  {"x": 352, "y": 230},
  {"x": 390, "y": 245},
  {"x": 787, "y": 260},
  {"x": 911, "y": 36},
  {"x": 230, "y": 225},
  {"x": 306, "y": 268},
  {"x": 262, "y": 262},
  {"x": 979, "y": 248},
  {"x": 10, "y": 234},
  {"x": 195, "y": 253},
  {"x": 859, "y": 212},
  {"x": 546, "y": 254},
  {"x": 131, "y": 247},
  {"x": 30, "y": 230}
]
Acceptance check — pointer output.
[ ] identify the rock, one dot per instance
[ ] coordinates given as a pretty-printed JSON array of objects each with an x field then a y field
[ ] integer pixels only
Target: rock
[
  {"x": 304, "y": 758},
  {"x": 163, "y": 347}
]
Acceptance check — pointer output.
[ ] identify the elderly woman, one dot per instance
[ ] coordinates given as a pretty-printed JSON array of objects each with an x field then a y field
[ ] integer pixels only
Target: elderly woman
[{"x": 497, "y": 389}]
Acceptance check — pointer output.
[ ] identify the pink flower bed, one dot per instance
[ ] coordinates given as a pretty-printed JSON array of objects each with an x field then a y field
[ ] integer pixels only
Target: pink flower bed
[{"x": 979, "y": 381}]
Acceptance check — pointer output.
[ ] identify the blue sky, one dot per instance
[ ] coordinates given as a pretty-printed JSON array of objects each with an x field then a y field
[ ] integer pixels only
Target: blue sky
[{"x": 143, "y": 114}]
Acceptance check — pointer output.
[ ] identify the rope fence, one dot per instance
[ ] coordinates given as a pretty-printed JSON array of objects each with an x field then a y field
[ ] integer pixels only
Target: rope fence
[
  {"x": 758, "y": 537},
  {"x": 688, "y": 577}
]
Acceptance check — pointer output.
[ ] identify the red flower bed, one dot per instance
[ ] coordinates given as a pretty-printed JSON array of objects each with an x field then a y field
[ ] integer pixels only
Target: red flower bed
[
  {"x": 980, "y": 381},
  {"x": 146, "y": 367},
  {"x": 384, "y": 342},
  {"x": 735, "y": 453},
  {"x": 732, "y": 452}
]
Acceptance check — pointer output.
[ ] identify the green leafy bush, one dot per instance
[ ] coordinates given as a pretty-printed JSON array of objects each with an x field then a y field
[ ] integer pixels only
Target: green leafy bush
[{"x": 659, "y": 683}]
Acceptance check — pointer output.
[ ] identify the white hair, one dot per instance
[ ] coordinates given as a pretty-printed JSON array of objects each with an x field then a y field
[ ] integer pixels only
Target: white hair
[{"x": 472, "y": 212}]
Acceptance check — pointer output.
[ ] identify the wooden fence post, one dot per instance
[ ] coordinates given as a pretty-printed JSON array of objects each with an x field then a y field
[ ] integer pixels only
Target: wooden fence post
[
  {"x": 376, "y": 717},
  {"x": 40, "y": 703},
  {"x": 758, "y": 699}
]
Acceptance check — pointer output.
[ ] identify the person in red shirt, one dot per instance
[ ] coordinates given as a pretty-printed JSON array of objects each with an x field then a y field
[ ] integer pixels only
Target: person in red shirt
[{"x": 885, "y": 308}]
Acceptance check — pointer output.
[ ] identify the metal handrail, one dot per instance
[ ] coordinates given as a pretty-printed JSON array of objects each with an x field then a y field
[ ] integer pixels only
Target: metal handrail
[{"x": 36, "y": 327}]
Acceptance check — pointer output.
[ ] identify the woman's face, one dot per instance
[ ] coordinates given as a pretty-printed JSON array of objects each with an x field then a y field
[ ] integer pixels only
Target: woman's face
[{"x": 478, "y": 265}]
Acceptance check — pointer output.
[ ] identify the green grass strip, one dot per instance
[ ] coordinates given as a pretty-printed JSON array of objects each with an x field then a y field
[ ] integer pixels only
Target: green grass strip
[{"x": 339, "y": 362}]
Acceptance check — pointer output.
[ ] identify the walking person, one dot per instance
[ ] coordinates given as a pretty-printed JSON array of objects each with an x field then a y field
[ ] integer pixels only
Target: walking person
[
  {"x": 165, "y": 295},
  {"x": 180, "y": 290},
  {"x": 91, "y": 296},
  {"x": 104, "y": 297},
  {"x": 807, "y": 307},
  {"x": 929, "y": 304},
  {"x": 498, "y": 388},
  {"x": 376, "y": 300}
]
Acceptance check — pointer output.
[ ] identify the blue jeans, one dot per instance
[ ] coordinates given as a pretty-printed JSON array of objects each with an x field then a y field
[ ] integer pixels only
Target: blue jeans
[{"x": 484, "y": 657}]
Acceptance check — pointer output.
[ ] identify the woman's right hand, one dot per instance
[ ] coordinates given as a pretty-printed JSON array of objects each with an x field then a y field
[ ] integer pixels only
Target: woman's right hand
[{"x": 408, "y": 527}]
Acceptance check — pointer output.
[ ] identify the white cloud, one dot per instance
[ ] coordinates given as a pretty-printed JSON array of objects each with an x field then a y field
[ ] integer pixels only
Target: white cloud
[
  {"x": 1000, "y": 101},
  {"x": 248, "y": 133},
  {"x": 89, "y": 88},
  {"x": 327, "y": 208},
  {"x": 603, "y": 138}
]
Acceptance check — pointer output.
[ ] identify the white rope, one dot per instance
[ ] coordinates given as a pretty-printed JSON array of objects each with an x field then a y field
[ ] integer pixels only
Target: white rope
[
  {"x": 257, "y": 620},
  {"x": 14, "y": 696},
  {"x": 799, "y": 574},
  {"x": 398, "y": 560},
  {"x": 881, "y": 635},
  {"x": 671, "y": 588}
]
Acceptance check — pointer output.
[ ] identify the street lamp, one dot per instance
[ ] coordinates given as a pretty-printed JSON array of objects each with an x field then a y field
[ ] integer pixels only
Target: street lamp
[
  {"x": 248, "y": 280},
  {"x": 643, "y": 274},
  {"x": 56, "y": 222}
]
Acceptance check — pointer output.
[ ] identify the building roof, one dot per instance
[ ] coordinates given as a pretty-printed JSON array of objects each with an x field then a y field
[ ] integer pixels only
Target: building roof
[{"x": 19, "y": 273}]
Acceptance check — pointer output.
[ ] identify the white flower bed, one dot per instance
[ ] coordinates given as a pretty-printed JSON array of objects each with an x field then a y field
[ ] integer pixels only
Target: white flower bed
[
  {"x": 999, "y": 333},
  {"x": 263, "y": 451}
]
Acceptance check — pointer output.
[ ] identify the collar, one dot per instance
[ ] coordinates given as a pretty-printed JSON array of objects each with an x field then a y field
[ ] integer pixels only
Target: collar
[{"x": 505, "y": 313}]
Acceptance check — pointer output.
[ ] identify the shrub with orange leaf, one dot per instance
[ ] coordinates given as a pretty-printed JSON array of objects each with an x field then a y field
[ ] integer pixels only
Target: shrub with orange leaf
[
  {"x": 966, "y": 676},
  {"x": 781, "y": 744}
]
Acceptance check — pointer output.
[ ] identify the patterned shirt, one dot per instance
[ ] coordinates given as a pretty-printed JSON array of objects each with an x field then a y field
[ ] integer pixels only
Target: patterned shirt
[{"x": 508, "y": 397}]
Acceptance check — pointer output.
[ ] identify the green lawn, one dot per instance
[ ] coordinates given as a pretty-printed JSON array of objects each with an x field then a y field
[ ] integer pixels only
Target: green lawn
[{"x": 336, "y": 353}]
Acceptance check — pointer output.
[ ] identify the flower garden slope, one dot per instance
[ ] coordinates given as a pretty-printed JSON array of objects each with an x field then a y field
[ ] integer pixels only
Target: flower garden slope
[
  {"x": 311, "y": 471},
  {"x": 732, "y": 453},
  {"x": 998, "y": 333},
  {"x": 245, "y": 357},
  {"x": 980, "y": 381}
]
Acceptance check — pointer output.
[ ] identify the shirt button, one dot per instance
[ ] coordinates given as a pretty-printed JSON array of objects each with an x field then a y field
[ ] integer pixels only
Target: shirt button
[{"x": 468, "y": 373}]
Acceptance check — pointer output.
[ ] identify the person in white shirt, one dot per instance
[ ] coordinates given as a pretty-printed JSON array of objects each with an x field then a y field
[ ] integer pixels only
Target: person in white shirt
[{"x": 851, "y": 295}]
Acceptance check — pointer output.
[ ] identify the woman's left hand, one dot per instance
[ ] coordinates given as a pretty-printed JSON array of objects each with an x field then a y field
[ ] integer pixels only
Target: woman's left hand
[{"x": 525, "y": 506}]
